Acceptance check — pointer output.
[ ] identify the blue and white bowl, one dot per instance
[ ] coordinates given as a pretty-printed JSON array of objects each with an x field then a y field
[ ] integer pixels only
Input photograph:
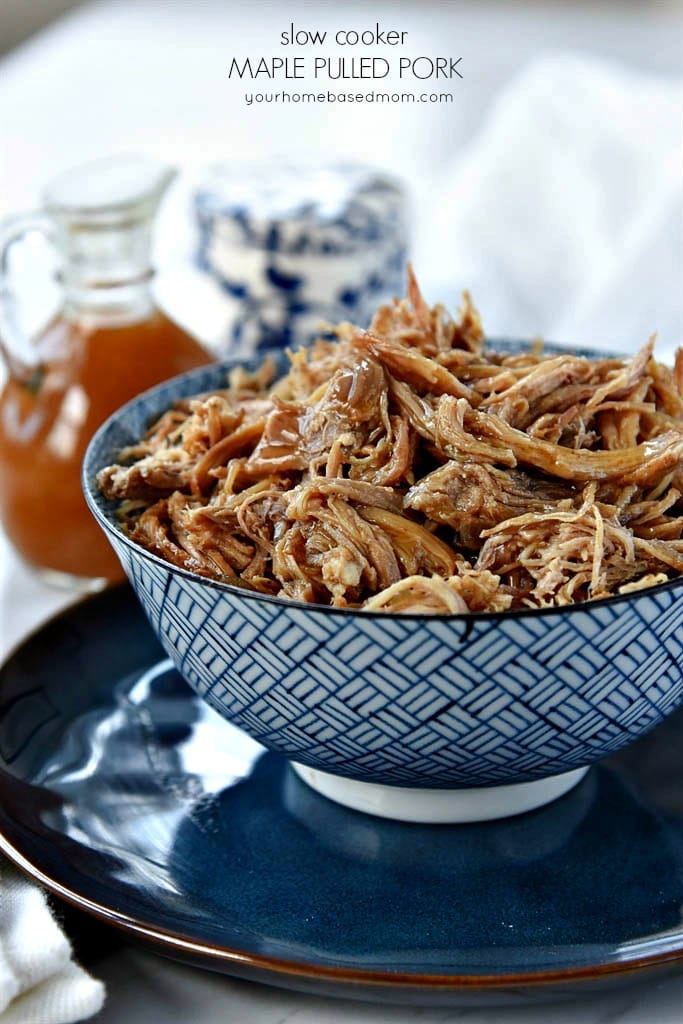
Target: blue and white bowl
[{"x": 416, "y": 717}]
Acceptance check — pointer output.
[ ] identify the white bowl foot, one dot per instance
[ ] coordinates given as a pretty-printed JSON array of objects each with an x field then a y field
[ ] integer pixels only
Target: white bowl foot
[{"x": 439, "y": 806}]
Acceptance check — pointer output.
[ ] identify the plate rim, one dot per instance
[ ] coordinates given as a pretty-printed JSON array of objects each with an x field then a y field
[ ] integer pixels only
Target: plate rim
[
  {"x": 175, "y": 941},
  {"x": 167, "y": 941}
]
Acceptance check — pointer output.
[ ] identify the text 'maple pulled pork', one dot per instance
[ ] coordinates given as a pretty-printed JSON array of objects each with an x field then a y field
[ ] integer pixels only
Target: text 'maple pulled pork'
[{"x": 410, "y": 469}]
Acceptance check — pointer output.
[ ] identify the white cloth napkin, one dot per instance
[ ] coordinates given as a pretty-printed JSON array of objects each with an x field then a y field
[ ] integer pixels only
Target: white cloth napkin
[
  {"x": 39, "y": 981},
  {"x": 563, "y": 216}
]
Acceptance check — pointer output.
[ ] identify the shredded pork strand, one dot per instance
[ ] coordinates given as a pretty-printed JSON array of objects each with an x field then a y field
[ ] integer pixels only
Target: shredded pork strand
[{"x": 411, "y": 468}]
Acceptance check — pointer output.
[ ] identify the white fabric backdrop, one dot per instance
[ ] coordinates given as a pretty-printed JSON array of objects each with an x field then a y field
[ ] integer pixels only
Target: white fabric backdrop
[{"x": 553, "y": 192}]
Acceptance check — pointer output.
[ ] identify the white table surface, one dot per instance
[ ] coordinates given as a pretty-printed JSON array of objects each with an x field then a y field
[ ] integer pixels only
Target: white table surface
[{"x": 152, "y": 75}]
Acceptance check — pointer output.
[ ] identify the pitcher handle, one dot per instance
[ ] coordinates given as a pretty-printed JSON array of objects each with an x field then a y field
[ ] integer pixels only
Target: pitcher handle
[{"x": 20, "y": 355}]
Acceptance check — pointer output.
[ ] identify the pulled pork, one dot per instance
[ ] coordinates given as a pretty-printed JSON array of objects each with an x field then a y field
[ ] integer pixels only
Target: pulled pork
[{"x": 409, "y": 468}]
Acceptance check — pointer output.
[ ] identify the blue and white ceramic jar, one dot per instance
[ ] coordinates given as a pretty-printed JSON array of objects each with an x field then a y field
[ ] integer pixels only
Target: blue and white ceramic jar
[{"x": 292, "y": 248}]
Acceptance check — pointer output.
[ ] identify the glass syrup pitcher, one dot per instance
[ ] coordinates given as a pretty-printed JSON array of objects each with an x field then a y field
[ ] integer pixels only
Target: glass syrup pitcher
[{"x": 106, "y": 343}]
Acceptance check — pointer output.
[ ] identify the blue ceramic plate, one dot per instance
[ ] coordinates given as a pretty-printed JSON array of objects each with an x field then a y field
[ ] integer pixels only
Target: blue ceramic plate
[{"x": 123, "y": 792}]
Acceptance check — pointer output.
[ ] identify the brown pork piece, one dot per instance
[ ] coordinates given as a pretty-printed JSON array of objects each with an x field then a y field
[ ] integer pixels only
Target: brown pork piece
[
  {"x": 517, "y": 403},
  {"x": 423, "y": 374},
  {"x": 620, "y": 382},
  {"x": 325, "y": 544},
  {"x": 472, "y": 497},
  {"x": 417, "y": 549},
  {"x": 411, "y": 323},
  {"x": 148, "y": 479},
  {"x": 347, "y": 410},
  {"x": 640, "y": 464},
  {"x": 566, "y": 552},
  {"x": 472, "y": 590}
]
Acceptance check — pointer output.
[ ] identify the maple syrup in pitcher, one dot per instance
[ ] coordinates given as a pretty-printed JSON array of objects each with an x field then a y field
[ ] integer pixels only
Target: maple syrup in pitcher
[{"x": 107, "y": 343}]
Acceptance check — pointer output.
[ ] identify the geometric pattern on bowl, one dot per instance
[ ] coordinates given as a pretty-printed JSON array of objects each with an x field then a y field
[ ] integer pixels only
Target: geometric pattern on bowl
[
  {"x": 423, "y": 701},
  {"x": 435, "y": 701}
]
